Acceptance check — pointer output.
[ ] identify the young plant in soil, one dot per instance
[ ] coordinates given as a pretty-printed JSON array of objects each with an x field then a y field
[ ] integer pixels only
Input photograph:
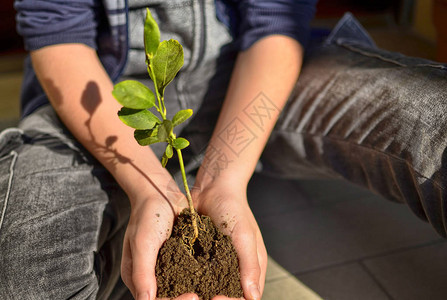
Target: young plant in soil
[{"x": 197, "y": 257}]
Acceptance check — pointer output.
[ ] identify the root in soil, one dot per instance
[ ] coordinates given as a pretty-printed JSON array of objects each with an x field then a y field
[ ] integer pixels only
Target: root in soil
[{"x": 208, "y": 268}]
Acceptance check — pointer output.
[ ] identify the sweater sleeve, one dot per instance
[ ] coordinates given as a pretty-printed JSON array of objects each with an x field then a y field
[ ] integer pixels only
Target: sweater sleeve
[
  {"x": 43, "y": 23},
  {"x": 251, "y": 20}
]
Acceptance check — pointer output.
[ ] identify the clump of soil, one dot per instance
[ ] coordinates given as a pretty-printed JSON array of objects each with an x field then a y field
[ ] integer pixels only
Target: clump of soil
[{"x": 208, "y": 268}]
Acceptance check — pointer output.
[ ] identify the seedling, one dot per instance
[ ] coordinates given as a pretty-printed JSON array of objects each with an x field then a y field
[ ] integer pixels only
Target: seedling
[{"x": 164, "y": 60}]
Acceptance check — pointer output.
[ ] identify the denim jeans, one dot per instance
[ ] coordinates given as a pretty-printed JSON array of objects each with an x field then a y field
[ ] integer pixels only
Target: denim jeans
[
  {"x": 375, "y": 118},
  {"x": 63, "y": 216}
]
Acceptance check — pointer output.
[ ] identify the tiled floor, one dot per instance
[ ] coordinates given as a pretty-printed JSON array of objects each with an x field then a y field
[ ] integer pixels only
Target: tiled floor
[
  {"x": 328, "y": 236},
  {"x": 345, "y": 243},
  {"x": 280, "y": 284}
]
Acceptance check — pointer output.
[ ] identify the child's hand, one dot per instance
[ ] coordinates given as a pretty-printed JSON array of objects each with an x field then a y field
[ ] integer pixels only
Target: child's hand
[
  {"x": 150, "y": 224},
  {"x": 227, "y": 206}
]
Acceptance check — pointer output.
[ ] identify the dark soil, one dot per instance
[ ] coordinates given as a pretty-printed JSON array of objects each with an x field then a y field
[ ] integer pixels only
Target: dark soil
[{"x": 209, "y": 268}]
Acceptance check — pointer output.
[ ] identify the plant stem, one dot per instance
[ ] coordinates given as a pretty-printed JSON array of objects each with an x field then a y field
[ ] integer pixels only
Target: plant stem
[
  {"x": 162, "y": 109},
  {"x": 188, "y": 196}
]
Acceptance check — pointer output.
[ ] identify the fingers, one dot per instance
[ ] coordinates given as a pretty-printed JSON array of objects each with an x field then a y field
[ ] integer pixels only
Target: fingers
[
  {"x": 262, "y": 258},
  {"x": 246, "y": 245},
  {"x": 147, "y": 229},
  {"x": 246, "y": 237},
  {"x": 144, "y": 256},
  {"x": 139, "y": 274},
  {"x": 126, "y": 266},
  {"x": 138, "y": 267}
]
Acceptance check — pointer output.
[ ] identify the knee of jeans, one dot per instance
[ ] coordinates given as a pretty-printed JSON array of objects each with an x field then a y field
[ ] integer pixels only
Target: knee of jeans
[
  {"x": 32, "y": 267},
  {"x": 417, "y": 134},
  {"x": 47, "y": 243},
  {"x": 10, "y": 139}
]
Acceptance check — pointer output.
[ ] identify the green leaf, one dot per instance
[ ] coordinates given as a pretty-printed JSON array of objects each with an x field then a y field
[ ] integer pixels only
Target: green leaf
[
  {"x": 164, "y": 160},
  {"x": 181, "y": 116},
  {"x": 168, "y": 151},
  {"x": 164, "y": 130},
  {"x": 151, "y": 35},
  {"x": 138, "y": 118},
  {"x": 133, "y": 94},
  {"x": 146, "y": 137},
  {"x": 166, "y": 63},
  {"x": 180, "y": 143}
]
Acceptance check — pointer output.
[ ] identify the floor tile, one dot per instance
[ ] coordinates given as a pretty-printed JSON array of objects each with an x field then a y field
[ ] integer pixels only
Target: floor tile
[
  {"x": 419, "y": 273},
  {"x": 329, "y": 191},
  {"x": 271, "y": 196},
  {"x": 288, "y": 288},
  {"x": 280, "y": 284},
  {"x": 344, "y": 282},
  {"x": 275, "y": 271},
  {"x": 306, "y": 240}
]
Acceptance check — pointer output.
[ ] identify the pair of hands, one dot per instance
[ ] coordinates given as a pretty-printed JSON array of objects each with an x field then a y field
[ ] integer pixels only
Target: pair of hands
[{"x": 151, "y": 223}]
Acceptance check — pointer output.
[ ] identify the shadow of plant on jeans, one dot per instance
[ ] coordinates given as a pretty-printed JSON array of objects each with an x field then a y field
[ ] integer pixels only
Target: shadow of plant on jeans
[{"x": 90, "y": 100}]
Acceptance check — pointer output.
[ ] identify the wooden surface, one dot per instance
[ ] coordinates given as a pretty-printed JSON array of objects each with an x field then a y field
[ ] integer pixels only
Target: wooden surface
[{"x": 440, "y": 21}]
